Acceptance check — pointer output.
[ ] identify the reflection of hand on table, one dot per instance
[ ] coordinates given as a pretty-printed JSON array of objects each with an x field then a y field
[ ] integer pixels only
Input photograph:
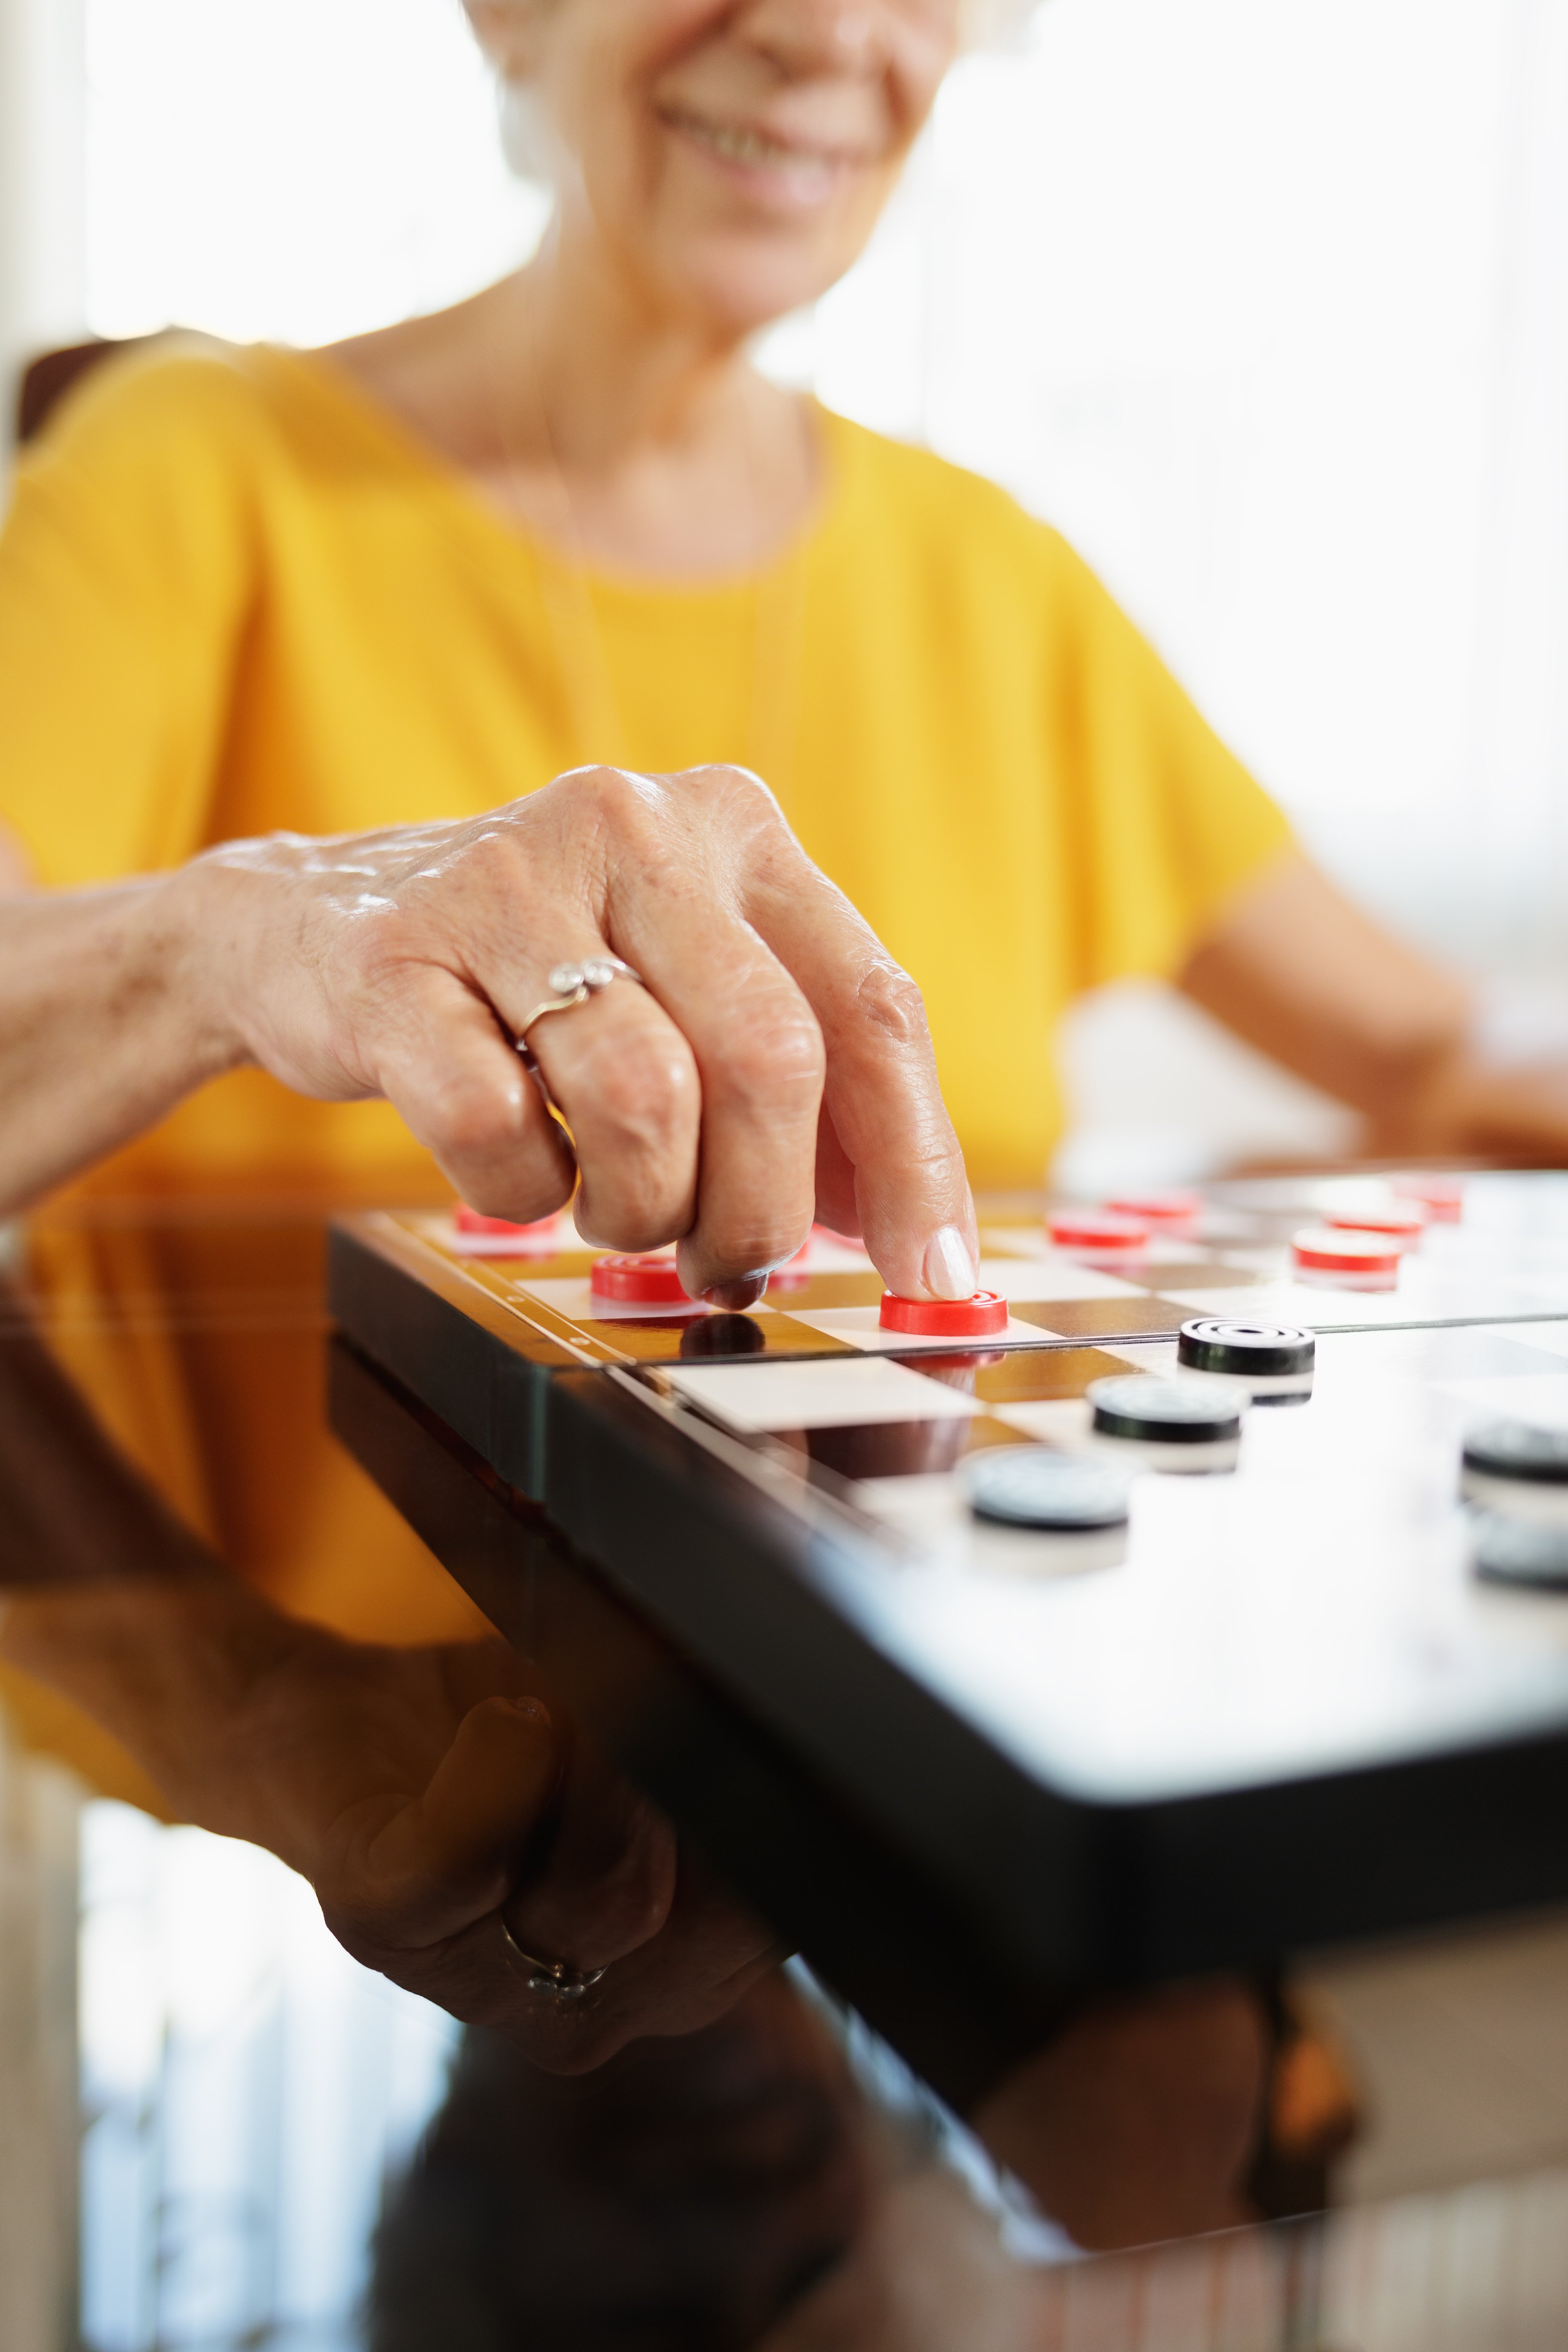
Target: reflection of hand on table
[
  {"x": 420, "y": 1791},
  {"x": 418, "y": 1796}
]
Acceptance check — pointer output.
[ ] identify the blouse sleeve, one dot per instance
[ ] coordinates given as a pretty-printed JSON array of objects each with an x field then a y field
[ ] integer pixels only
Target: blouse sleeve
[
  {"x": 125, "y": 578},
  {"x": 1165, "y": 826}
]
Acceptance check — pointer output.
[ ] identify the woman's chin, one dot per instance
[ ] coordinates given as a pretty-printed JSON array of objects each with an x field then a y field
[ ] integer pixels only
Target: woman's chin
[{"x": 742, "y": 285}]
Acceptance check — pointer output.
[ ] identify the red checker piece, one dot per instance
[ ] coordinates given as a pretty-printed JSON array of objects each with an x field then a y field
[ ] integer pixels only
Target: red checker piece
[
  {"x": 1401, "y": 1221},
  {"x": 1096, "y": 1232},
  {"x": 1441, "y": 1196},
  {"x": 639, "y": 1282},
  {"x": 946, "y": 1318},
  {"x": 1158, "y": 1208},
  {"x": 1368, "y": 1259},
  {"x": 468, "y": 1221}
]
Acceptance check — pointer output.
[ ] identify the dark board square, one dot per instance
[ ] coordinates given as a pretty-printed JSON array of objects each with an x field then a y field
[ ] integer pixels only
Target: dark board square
[
  {"x": 1102, "y": 1319},
  {"x": 787, "y": 1291},
  {"x": 704, "y": 1337},
  {"x": 1018, "y": 1375},
  {"x": 1208, "y": 1274}
]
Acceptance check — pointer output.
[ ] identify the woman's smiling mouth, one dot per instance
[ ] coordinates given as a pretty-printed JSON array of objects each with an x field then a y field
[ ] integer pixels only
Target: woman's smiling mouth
[{"x": 800, "y": 173}]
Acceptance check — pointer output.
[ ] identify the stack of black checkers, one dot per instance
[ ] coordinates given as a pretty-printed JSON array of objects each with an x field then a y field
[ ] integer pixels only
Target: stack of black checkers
[
  {"x": 1273, "y": 1361},
  {"x": 1514, "y": 1475}
]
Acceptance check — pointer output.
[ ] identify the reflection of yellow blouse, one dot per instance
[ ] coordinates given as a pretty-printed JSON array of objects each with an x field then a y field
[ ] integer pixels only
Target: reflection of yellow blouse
[{"x": 236, "y": 596}]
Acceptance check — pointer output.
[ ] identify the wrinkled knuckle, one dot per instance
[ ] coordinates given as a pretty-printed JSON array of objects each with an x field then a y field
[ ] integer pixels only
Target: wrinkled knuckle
[
  {"x": 772, "y": 1066},
  {"x": 888, "y": 999},
  {"x": 358, "y": 1926},
  {"x": 616, "y": 798},
  {"x": 731, "y": 796},
  {"x": 469, "y": 1122},
  {"x": 644, "y": 1099}
]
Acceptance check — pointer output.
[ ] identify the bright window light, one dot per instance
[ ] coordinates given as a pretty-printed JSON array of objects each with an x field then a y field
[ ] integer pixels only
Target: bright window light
[{"x": 291, "y": 169}]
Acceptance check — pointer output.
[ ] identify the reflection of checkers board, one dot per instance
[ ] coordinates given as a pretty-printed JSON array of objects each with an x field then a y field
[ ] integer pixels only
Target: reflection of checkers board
[{"x": 967, "y": 1764}]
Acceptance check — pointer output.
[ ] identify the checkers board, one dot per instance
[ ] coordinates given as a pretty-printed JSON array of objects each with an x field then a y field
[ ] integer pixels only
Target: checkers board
[{"x": 972, "y": 1768}]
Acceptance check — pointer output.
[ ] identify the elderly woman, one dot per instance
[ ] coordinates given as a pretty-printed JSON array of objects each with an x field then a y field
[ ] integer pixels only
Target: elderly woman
[
  {"x": 278, "y": 628},
  {"x": 268, "y": 596}
]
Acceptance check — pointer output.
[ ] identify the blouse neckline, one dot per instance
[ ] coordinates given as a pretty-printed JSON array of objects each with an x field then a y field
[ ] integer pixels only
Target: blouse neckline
[{"x": 373, "y": 418}]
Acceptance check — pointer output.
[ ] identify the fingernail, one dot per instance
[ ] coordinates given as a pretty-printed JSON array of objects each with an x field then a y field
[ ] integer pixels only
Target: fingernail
[
  {"x": 736, "y": 1297},
  {"x": 950, "y": 1271}
]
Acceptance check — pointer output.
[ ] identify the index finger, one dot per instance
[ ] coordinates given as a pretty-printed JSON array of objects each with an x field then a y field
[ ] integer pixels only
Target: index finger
[
  {"x": 881, "y": 1092},
  {"x": 791, "y": 1006}
]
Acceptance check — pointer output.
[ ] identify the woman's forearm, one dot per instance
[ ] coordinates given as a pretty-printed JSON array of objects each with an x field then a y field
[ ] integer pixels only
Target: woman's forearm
[
  {"x": 107, "y": 1020},
  {"x": 776, "y": 1062}
]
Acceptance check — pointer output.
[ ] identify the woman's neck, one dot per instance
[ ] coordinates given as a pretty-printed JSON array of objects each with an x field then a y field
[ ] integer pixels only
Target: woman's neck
[{"x": 628, "y": 438}]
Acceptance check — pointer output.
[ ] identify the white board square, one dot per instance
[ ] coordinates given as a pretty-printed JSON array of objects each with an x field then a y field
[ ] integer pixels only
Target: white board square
[
  {"x": 1039, "y": 1281},
  {"x": 831, "y": 1392},
  {"x": 1302, "y": 1303},
  {"x": 1516, "y": 1396}
]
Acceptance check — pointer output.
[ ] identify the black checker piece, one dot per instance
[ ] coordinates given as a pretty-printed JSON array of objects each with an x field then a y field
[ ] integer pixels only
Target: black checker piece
[
  {"x": 1032, "y": 1486},
  {"x": 1246, "y": 1351},
  {"x": 1523, "y": 1450},
  {"x": 1165, "y": 1413}
]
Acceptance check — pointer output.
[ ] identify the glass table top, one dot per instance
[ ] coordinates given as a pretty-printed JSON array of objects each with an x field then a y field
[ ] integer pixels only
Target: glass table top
[{"x": 287, "y": 1835}]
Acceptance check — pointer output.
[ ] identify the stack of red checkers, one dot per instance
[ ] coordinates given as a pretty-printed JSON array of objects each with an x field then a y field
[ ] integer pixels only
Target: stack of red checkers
[
  {"x": 1442, "y": 1197},
  {"x": 1350, "y": 1260},
  {"x": 639, "y": 1282},
  {"x": 1175, "y": 1211},
  {"x": 1401, "y": 1221},
  {"x": 946, "y": 1318},
  {"x": 1096, "y": 1232}
]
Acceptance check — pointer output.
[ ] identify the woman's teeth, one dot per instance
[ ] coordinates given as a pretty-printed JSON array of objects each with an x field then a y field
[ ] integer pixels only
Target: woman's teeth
[{"x": 737, "y": 145}]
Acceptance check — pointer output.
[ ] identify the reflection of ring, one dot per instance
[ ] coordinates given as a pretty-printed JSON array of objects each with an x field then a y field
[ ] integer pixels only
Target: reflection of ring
[
  {"x": 575, "y": 983},
  {"x": 558, "y": 1979}
]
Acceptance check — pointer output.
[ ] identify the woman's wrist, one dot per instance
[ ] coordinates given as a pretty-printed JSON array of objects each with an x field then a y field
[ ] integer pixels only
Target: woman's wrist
[
  {"x": 192, "y": 927},
  {"x": 108, "y": 1017}
]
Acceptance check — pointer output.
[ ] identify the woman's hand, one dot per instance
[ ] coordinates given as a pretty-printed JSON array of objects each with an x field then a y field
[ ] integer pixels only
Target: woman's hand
[
  {"x": 428, "y": 1802},
  {"x": 778, "y": 1061},
  {"x": 425, "y": 1794}
]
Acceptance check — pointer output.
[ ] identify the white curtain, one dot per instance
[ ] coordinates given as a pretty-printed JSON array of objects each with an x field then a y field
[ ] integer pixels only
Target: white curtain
[{"x": 42, "y": 183}]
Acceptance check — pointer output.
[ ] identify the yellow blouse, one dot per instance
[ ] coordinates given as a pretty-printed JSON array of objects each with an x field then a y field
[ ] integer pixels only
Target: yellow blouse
[{"x": 236, "y": 596}]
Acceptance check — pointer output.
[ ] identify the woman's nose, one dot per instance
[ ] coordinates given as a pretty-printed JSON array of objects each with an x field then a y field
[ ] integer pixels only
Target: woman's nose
[{"x": 813, "y": 36}]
